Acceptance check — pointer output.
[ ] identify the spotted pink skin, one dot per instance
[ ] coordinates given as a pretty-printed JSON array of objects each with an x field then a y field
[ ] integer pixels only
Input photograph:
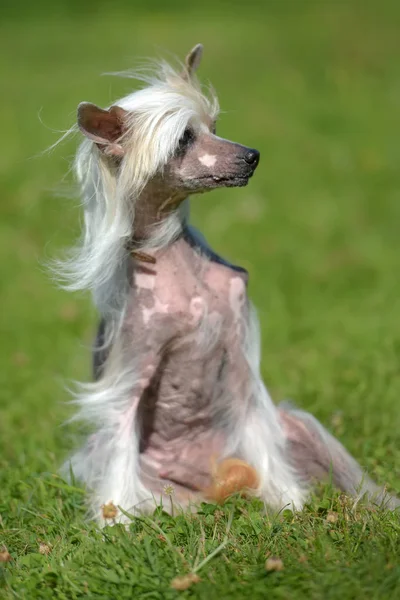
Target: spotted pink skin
[
  {"x": 184, "y": 331},
  {"x": 186, "y": 321}
]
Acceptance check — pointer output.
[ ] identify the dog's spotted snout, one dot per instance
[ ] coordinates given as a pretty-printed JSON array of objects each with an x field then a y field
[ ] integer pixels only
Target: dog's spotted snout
[{"x": 252, "y": 157}]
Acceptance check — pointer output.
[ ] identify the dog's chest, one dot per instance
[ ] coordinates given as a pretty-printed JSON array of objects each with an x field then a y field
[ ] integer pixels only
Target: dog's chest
[
  {"x": 197, "y": 308},
  {"x": 186, "y": 290}
]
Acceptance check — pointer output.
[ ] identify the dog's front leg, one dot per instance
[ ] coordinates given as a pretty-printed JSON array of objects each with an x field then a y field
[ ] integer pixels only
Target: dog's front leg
[
  {"x": 122, "y": 483},
  {"x": 108, "y": 464}
]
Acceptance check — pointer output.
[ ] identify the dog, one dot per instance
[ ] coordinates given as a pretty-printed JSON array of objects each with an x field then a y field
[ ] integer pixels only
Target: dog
[{"x": 177, "y": 405}]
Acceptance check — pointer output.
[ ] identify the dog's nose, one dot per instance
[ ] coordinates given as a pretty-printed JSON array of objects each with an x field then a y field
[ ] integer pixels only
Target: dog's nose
[{"x": 252, "y": 157}]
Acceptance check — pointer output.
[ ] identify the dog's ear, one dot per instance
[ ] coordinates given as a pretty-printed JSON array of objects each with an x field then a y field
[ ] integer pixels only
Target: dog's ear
[
  {"x": 104, "y": 127},
  {"x": 192, "y": 61}
]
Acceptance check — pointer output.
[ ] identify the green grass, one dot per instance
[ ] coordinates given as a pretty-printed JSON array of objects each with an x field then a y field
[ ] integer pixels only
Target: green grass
[{"x": 314, "y": 86}]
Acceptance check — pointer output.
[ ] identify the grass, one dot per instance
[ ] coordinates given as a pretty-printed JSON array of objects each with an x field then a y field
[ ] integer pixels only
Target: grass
[{"x": 315, "y": 87}]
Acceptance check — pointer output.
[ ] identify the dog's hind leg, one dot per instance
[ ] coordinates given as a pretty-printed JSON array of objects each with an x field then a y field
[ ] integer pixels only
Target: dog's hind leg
[{"x": 317, "y": 455}]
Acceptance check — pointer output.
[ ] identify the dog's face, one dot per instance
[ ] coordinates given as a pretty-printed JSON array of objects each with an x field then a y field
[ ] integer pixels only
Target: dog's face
[
  {"x": 197, "y": 162},
  {"x": 204, "y": 161}
]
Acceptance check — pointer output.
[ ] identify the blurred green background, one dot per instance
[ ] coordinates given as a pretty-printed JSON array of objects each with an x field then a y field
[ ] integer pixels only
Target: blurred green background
[{"x": 315, "y": 86}]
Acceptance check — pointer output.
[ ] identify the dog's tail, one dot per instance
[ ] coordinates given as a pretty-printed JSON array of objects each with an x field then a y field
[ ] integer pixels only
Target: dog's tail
[{"x": 317, "y": 455}]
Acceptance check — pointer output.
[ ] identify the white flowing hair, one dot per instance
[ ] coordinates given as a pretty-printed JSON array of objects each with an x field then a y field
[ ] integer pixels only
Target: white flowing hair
[{"x": 157, "y": 117}]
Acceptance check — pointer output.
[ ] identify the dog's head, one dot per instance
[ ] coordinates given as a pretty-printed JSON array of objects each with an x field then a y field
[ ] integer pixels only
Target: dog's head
[
  {"x": 168, "y": 130},
  {"x": 204, "y": 161}
]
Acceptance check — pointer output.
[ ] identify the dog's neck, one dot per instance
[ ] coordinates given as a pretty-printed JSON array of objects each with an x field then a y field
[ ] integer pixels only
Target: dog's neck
[{"x": 154, "y": 204}]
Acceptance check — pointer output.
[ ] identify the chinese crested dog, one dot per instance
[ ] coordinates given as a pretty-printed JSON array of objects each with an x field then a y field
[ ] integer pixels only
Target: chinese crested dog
[{"x": 177, "y": 401}]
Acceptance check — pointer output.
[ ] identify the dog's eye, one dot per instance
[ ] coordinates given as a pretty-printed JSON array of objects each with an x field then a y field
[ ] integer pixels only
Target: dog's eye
[{"x": 186, "y": 139}]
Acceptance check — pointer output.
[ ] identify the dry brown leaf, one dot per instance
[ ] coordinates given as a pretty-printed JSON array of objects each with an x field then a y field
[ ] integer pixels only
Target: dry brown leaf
[
  {"x": 5, "y": 556},
  {"x": 274, "y": 564},
  {"x": 184, "y": 582},
  {"x": 110, "y": 511}
]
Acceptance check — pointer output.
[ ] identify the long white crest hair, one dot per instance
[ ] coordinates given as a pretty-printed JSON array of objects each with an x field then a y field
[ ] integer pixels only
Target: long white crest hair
[{"x": 157, "y": 117}]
